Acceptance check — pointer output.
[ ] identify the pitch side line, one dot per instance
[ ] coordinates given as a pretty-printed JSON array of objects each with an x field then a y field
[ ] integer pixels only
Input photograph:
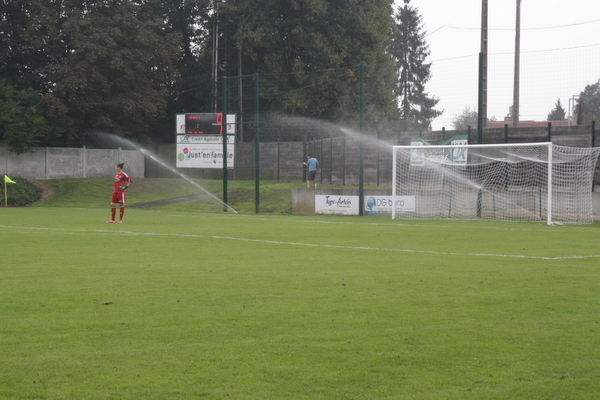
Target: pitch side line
[
  {"x": 414, "y": 224},
  {"x": 328, "y": 246}
]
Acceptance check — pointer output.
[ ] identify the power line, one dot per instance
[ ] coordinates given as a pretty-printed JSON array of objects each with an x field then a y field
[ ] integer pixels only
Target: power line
[
  {"x": 522, "y": 52},
  {"x": 512, "y": 29}
]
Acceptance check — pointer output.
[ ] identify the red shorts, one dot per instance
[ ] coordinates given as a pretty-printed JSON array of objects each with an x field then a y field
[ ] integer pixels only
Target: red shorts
[{"x": 118, "y": 197}]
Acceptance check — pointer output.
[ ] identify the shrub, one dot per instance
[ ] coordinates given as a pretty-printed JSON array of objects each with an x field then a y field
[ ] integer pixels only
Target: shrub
[{"x": 20, "y": 193}]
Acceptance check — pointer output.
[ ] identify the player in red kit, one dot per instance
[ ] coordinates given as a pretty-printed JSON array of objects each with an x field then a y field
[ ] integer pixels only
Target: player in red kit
[{"x": 122, "y": 182}]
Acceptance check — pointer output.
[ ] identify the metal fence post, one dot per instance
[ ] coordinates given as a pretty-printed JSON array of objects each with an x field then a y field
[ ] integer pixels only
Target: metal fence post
[
  {"x": 361, "y": 109},
  {"x": 224, "y": 139},
  {"x": 256, "y": 147}
]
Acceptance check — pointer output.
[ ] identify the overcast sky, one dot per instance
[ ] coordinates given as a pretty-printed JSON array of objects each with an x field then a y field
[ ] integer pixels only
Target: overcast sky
[{"x": 560, "y": 53}]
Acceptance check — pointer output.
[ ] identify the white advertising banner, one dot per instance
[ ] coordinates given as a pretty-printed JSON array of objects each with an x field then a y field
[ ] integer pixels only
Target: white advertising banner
[
  {"x": 457, "y": 157},
  {"x": 336, "y": 204},
  {"x": 230, "y": 124},
  {"x": 204, "y": 152},
  {"x": 377, "y": 205},
  {"x": 205, "y": 139},
  {"x": 179, "y": 124},
  {"x": 374, "y": 205}
]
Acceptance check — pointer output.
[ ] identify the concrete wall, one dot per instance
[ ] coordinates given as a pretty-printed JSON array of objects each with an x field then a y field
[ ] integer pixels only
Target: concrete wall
[{"x": 59, "y": 163}]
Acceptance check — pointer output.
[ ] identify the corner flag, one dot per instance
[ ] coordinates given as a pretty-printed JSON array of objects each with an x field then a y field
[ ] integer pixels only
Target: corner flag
[{"x": 6, "y": 180}]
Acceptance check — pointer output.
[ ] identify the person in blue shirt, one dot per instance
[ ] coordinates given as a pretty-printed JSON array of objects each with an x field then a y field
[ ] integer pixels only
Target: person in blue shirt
[{"x": 313, "y": 165}]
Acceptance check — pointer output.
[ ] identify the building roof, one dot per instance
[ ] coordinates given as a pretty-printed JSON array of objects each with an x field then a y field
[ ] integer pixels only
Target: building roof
[{"x": 529, "y": 124}]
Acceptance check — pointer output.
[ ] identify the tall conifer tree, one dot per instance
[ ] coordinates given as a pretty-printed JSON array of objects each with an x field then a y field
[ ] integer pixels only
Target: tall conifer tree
[
  {"x": 557, "y": 113},
  {"x": 409, "y": 50}
]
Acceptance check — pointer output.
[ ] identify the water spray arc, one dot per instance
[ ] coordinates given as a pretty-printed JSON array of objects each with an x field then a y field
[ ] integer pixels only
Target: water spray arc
[{"x": 149, "y": 154}]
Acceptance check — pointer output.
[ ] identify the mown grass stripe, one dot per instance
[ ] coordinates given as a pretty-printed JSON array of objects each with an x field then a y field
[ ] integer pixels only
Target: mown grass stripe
[{"x": 70, "y": 231}]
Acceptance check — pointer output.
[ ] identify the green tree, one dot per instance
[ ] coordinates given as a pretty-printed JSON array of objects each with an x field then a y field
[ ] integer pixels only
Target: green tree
[
  {"x": 557, "y": 113},
  {"x": 18, "y": 60},
  {"x": 193, "y": 22},
  {"x": 112, "y": 65},
  {"x": 588, "y": 106},
  {"x": 467, "y": 118},
  {"x": 308, "y": 54},
  {"x": 23, "y": 121},
  {"x": 409, "y": 50}
]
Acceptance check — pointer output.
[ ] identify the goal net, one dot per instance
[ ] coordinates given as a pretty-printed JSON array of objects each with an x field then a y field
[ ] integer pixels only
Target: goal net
[{"x": 514, "y": 182}]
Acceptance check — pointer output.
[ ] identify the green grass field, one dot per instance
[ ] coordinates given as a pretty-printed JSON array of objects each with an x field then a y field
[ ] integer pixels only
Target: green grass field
[{"x": 185, "y": 301}]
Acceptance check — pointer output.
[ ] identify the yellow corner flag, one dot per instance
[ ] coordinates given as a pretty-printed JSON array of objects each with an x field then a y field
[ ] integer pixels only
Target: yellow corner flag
[{"x": 8, "y": 180}]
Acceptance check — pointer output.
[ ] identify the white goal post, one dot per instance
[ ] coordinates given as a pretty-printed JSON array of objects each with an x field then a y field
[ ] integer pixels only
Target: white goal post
[{"x": 510, "y": 182}]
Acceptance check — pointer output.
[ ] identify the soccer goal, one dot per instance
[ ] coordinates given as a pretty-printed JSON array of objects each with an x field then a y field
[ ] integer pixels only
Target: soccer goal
[{"x": 510, "y": 182}]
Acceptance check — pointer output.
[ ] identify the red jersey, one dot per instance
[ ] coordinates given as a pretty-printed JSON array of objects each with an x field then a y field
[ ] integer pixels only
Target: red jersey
[{"x": 121, "y": 179}]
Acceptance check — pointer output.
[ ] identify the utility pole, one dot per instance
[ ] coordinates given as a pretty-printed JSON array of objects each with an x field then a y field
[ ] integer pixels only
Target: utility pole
[
  {"x": 484, "y": 63},
  {"x": 515, "y": 108}
]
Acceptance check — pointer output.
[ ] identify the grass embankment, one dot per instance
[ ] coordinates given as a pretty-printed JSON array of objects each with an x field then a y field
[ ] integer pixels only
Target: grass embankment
[{"x": 275, "y": 197}]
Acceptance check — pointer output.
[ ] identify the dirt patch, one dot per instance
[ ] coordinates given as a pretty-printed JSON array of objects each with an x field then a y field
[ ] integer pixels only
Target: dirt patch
[
  {"x": 47, "y": 191},
  {"x": 170, "y": 201}
]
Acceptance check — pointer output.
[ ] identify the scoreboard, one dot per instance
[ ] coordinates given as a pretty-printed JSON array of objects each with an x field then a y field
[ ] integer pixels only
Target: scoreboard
[{"x": 204, "y": 124}]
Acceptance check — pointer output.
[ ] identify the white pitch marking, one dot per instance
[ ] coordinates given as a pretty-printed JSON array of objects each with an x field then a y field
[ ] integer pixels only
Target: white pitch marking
[{"x": 414, "y": 224}]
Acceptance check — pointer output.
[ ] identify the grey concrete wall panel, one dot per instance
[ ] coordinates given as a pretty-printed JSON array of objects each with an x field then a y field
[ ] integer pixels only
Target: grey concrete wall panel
[
  {"x": 63, "y": 163},
  {"x": 101, "y": 163},
  {"x": 30, "y": 165}
]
